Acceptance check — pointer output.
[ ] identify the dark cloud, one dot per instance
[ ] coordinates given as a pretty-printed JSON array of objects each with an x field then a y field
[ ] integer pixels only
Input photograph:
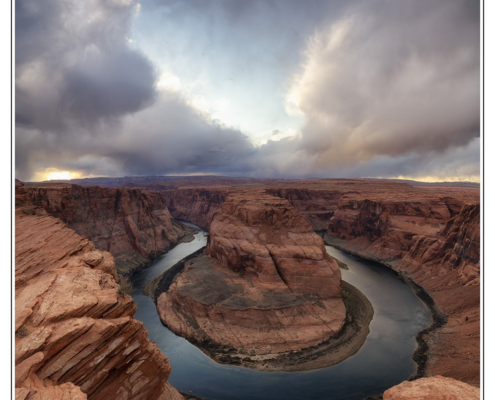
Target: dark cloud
[
  {"x": 169, "y": 137},
  {"x": 108, "y": 85},
  {"x": 391, "y": 78},
  {"x": 74, "y": 62},
  {"x": 386, "y": 88}
]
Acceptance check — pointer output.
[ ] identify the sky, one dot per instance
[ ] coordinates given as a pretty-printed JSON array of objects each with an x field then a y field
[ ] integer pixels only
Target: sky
[{"x": 261, "y": 88}]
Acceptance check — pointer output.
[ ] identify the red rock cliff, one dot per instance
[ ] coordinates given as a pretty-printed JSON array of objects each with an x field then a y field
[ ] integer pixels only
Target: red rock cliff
[
  {"x": 75, "y": 334},
  {"x": 315, "y": 200},
  {"x": 200, "y": 205},
  {"x": 387, "y": 228},
  {"x": 456, "y": 248},
  {"x": 134, "y": 225},
  {"x": 196, "y": 205},
  {"x": 316, "y": 205}
]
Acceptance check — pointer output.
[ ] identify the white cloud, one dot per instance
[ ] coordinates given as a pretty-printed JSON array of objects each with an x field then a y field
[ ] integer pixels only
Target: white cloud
[
  {"x": 169, "y": 81},
  {"x": 384, "y": 82}
]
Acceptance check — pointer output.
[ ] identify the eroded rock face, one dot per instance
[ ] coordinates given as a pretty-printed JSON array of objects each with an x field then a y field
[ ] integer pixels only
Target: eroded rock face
[
  {"x": 199, "y": 200},
  {"x": 387, "y": 228},
  {"x": 134, "y": 225},
  {"x": 265, "y": 236},
  {"x": 410, "y": 230},
  {"x": 76, "y": 336},
  {"x": 197, "y": 205},
  {"x": 435, "y": 388},
  {"x": 456, "y": 247},
  {"x": 315, "y": 205},
  {"x": 268, "y": 285}
]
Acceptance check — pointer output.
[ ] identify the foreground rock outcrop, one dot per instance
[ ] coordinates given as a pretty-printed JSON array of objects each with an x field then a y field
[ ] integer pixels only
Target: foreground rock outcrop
[
  {"x": 76, "y": 337},
  {"x": 132, "y": 224},
  {"x": 266, "y": 284},
  {"x": 435, "y": 388}
]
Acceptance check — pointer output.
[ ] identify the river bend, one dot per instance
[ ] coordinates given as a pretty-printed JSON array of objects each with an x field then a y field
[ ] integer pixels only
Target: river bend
[{"x": 383, "y": 361}]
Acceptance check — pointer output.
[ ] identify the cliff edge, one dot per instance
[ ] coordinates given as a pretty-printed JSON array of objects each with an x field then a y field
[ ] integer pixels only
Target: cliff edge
[{"x": 76, "y": 336}]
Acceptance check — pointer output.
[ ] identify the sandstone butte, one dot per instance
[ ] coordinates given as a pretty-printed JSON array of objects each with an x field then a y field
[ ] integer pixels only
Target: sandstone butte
[
  {"x": 267, "y": 284},
  {"x": 434, "y": 388},
  {"x": 76, "y": 336},
  {"x": 135, "y": 226}
]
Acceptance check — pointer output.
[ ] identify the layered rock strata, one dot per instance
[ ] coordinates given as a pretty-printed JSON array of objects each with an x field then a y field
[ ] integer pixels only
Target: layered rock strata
[
  {"x": 315, "y": 205},
  {"x": 266, "y": 284},
  {"x": 316, "y": 200},
  {"x": 434, "y": 388},
  {"x": 197, "y": 205},
  {"x": 76, "y": 336},
  {"x": 132, "y": 224},
  {"x": 201, "y": 204}
]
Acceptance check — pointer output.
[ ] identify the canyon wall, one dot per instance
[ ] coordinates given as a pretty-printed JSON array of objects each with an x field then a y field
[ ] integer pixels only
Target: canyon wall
[
  {"x": 435, "y": 241},
  {"x": 199, "y": 205},
  {"x": 76, "y": 336},
  {"x": 196, "y": 205},
  {"x": 316, "y": 206},
  {"x": 387, "y": 228},
  {"x": 132, "y": 224},
  {"x": 315, "y": 200},
  {"x": 455, "y": 249}
]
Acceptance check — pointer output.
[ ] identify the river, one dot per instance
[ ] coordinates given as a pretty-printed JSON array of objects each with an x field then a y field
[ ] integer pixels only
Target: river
[{"x": 383, "y": 361}]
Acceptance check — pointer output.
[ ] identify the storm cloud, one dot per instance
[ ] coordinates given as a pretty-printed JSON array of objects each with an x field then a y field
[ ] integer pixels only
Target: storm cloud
[
  {"x": 390, "y": 78},
  {"x": 381, "y": 88},
  {"x": 73, "y": 62}
]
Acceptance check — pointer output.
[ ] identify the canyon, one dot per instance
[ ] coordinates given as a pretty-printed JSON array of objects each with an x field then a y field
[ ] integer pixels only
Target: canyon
[{"x": 428, "y": 234}]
